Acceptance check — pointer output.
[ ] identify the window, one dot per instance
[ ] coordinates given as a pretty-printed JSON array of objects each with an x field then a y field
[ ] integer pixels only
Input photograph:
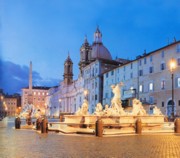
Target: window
[
  {"x": 178, "y": 82},
  {"x": 124, "y": 68},
  {"x": 178, "y": 48},
  {"x": 163, "y": 66},
  {"x": 96, "y": 97},
  {"x": 140, "y": 88},
  {"x": 162, "y": 54},
  {"x": 112, "y": 73},
  {"x": 131, "y": 65},
  {"x": 151, "y": 69},
  {"x": 140, "y": 72},
  {"x": 144, "y": 60},
  {"x": 151, "y": 86},
  {"x": 96, "y": 84},
  {"x": 162, "y": 104},
  {"x": 151, "y": 58},
  {"x": 162, "y": 84},
  {"x": 178, "y": 61},
  {"x": 179, "y": 102},
  {"x": 107, "y": 75},
  {"x": 140, "y": 62}
]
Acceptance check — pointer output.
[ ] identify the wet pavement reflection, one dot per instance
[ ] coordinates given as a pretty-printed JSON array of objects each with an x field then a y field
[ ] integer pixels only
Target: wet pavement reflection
[{"x": 30, "y": 144}]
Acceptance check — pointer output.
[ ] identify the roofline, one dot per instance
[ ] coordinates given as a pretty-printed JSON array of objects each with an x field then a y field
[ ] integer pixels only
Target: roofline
[
  {"x": 147, "y": 54},
  {"x": 38, "y": 87}
]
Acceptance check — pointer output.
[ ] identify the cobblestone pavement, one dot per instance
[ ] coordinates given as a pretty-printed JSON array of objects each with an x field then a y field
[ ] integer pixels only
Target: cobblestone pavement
[{"x": 30, "y": 144}]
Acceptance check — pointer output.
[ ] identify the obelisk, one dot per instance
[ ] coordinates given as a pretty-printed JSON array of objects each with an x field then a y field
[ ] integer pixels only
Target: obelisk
[{"x": 30, "y": 98}]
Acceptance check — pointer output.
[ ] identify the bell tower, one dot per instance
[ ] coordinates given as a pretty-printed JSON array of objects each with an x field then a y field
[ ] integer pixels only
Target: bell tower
[
  {"x": 98, "y": 36},
  {"x": 85, "y": 54},
  {"x": 68, "y": 71}
]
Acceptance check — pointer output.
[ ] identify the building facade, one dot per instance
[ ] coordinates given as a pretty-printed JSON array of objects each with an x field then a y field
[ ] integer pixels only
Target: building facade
[
  {"x": 95, "y": 60},
  {"x": 13, "y": 104},
  {"x": 149, "y": 78},
  {"x": 3, "y": 107},
  {"x": 35, "y": 95}
]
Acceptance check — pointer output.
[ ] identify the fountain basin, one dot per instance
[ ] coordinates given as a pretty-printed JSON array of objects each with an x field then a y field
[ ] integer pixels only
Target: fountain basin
[{"x": 111, "y": 124}]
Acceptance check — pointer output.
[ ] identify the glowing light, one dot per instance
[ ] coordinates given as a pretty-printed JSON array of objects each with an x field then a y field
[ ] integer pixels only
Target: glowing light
[
  {"x": 173, "y": 65},
  {"x": 85, "y": 92}
]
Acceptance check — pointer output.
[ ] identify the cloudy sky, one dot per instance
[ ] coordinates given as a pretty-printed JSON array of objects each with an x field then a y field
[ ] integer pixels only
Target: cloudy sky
[{"x": 43, "y": 31}]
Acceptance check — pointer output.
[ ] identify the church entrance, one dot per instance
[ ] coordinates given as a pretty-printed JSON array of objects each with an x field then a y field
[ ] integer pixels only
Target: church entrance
[{"x": 170, "y": 108}]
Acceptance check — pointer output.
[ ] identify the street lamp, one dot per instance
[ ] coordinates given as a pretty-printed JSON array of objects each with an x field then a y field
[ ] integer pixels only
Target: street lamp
[
  {"x": 172, "y": 68},
  {"x": 85, "y": 93},
  {"x": 133, "y": 91}
]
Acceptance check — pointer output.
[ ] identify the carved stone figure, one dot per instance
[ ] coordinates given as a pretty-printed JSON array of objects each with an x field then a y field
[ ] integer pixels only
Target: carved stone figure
[
  {"x": 156, "y": 111},
  {"x": 99, "y": 109},
  {"x": 84, "y": 109},
  {"x": 107, "y": 110},
  {"x": 138, "y": 108},
  {"x": 116, "y": 104}
]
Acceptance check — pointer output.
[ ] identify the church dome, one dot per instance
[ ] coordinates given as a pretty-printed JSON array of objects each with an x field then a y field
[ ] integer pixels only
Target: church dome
[{"x": 98, "y": 49}]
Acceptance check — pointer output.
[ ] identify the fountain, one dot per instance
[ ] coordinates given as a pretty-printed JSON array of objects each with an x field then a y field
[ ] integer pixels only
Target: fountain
[{"x": 115, "y": 119}]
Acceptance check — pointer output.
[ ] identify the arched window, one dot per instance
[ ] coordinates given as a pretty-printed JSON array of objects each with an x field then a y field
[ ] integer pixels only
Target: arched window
[
  {"x": 69, "y": 68},
  {"x": 169, "y": 108}
]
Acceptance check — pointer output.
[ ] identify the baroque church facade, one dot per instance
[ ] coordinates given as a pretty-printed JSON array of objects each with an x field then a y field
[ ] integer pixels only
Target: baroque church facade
[
  {"x": 95, "y": 60},
  {"x": 147, "y": 78}
]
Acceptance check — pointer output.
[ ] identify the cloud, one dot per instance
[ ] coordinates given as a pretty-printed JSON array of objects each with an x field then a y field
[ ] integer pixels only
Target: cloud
[{"x": 13, "y": 77}]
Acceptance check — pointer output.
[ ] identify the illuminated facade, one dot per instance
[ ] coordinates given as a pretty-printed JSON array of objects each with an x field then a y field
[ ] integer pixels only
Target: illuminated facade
[
  {"x": 95, "y": 59},
  {"x": 35, "y": 95},
  {"x": 148, "y": 78},
  {"x": 13, "y": 102}
]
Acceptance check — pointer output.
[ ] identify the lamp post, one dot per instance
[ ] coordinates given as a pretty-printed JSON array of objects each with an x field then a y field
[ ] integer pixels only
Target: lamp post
[
  {"x": 59, "y": 106},
  {"x": 172, "y": 68}
]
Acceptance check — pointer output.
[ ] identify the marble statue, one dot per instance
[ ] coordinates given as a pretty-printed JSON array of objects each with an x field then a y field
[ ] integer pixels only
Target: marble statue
[
  {"x": 107, "y": 110},
  {"x": 31, "y": 111},
  {"x": 116, "y": 108},
  {"x": 84, "y": 109},
  {"x": 27, "y": 110},
  {"x": 99, "y": 109},
  {"x": 138, "y": 108},
  {"x": 156, "y": 111},
  {"x": 116, "y": 104}
]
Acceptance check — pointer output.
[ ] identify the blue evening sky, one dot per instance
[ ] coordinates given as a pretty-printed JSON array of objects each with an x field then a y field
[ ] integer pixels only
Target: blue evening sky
[{"x": 43, "y": 31}]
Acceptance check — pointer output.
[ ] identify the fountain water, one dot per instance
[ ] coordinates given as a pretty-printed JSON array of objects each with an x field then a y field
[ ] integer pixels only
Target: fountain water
[{"x": 113, "y": 116}]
